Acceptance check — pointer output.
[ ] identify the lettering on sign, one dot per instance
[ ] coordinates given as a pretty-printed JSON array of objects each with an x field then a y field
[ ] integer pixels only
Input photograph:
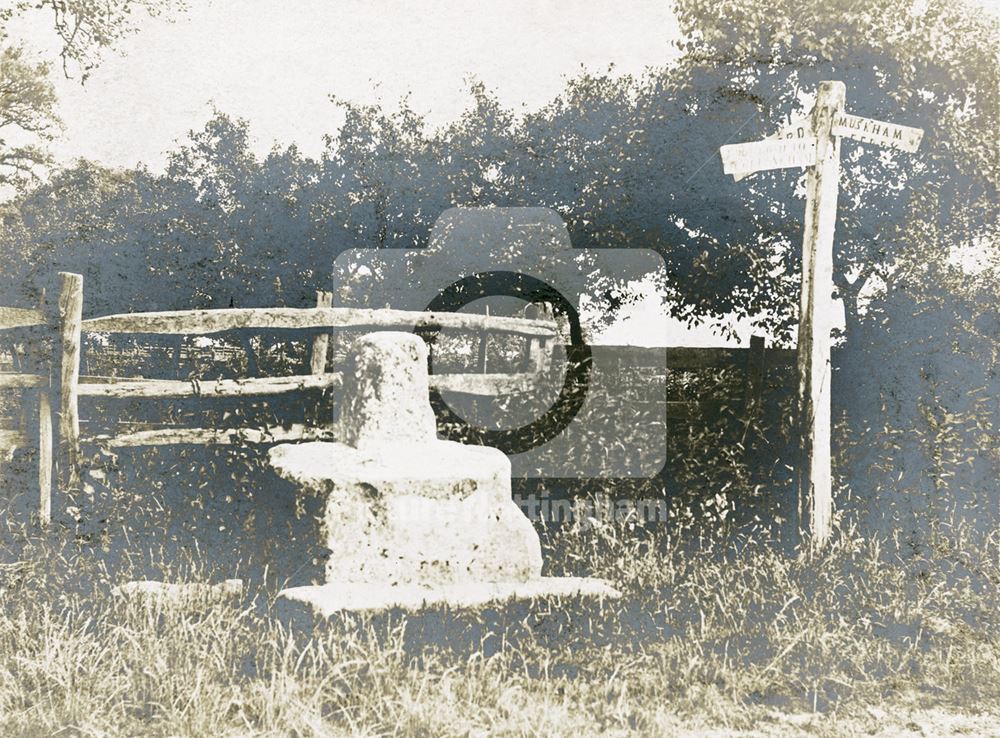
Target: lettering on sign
[
  {"x": 867, "y": 130},
  {"x": 756, "y": 156},
  {"x": 796, "y": 128}
]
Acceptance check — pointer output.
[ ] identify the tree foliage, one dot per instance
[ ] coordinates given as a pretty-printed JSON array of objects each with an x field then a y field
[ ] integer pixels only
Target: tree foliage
[
  {"x": 932, "y": 65},
  {"x": 634, "y": 161},
  {"x": 27, "y": 111},
  {"x": 915, "y": 380},
  {"x": 86, "y": 30}
]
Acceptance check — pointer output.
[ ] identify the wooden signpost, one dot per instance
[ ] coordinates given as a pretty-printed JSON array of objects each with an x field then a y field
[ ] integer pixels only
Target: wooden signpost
[{"x": 815, "y": 144}]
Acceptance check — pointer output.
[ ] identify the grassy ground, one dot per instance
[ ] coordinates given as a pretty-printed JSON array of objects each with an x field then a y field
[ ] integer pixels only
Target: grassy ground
[{"x": 710, "y": 638}]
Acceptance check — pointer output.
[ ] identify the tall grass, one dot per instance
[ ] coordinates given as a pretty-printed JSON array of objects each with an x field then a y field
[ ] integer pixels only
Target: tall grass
[{"x": 709, "y": 633}]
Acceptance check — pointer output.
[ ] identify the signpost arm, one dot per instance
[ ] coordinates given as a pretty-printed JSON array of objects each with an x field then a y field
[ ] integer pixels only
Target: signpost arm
[{"x": 815, "y": 504}]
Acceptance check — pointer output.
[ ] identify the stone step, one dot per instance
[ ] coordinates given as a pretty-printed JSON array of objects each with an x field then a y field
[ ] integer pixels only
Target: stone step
[
  {"x": 433, "y": 469},
  {"x": 325, "y": 600},
  {"x": 180, "y": 594}
]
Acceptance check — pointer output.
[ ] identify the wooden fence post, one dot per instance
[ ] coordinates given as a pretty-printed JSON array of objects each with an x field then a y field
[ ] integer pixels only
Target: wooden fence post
[
  {"x": 71, "y": 318},
  {"x": 44, "y": 433},
  {"x": 482, "y": 348},
  {"x": 752, "y": 389},
  {"x": 317, "y": 361},
  {"x": 537, "y": 356},
  {"x": 44, "y": 457},
  {"x": 755, "y": 378}
]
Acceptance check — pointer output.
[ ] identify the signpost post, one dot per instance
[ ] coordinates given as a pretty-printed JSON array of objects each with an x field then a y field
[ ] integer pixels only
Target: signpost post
[{"x": 815, "y": 144}]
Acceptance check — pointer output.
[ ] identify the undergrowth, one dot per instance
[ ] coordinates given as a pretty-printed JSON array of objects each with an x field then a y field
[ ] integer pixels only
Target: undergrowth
[{"x": 717, "y": 632}]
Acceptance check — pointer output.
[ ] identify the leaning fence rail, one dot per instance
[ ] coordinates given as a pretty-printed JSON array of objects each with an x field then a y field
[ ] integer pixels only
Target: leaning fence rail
[
  {"x": 195, "y": 322},
  {"x": 11, "y": 317}
]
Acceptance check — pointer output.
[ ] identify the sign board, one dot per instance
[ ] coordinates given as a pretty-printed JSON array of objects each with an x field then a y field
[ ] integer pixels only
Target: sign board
[
  {"x": 747, "y": 158},
  {"x": 796, "y": 128},
  {"x": 867, "y": 130}
]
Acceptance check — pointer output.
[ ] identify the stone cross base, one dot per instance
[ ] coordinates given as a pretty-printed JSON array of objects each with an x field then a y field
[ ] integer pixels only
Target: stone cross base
[
  {"x": 431, "y": 513},
  {"x": 411, "y": 520}
]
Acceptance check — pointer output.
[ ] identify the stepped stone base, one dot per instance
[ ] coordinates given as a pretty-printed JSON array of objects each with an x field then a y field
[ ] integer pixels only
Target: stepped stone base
[
  {"x": 151, "y": 592},
  {"x": 324, "y": 600},
  {"x": 411, "y": 521}
]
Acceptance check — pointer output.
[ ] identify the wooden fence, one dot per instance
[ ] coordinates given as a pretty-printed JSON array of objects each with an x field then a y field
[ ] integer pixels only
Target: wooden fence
[{"x": 64, "y": 385}]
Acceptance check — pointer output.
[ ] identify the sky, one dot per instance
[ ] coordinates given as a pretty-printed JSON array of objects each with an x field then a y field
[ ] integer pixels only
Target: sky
[{"x": 276, "y": 63}]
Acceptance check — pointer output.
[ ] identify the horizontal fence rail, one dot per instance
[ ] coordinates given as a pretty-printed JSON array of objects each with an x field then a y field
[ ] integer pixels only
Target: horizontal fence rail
[
  {"x": 678, "y": 358},
  {"x": 120, "y": 387},
  {"x": 482, "y": 384},
  {"x": 200, "y": 322},
  {"x": 472, "y": 384},
  {"x": 11, "y": 317},
  {"x": 11, "y": 439},
  {"x": 10, "y": 380},
  {"x": 213, "y": 436}
]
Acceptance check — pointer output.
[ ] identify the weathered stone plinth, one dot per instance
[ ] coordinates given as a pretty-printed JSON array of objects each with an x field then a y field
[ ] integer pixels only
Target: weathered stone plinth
[
  {"x": 432, "y": 513},
  {"x": 411, "y": 520}
]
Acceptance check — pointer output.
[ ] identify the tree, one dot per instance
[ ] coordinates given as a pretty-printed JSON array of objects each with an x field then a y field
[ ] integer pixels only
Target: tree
[
  {"x": 86, "y": 30},
  {"x": 932, "y": 65},
  {"x": 27, "y": 113},
  {"x": 628, "y": 162}
]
